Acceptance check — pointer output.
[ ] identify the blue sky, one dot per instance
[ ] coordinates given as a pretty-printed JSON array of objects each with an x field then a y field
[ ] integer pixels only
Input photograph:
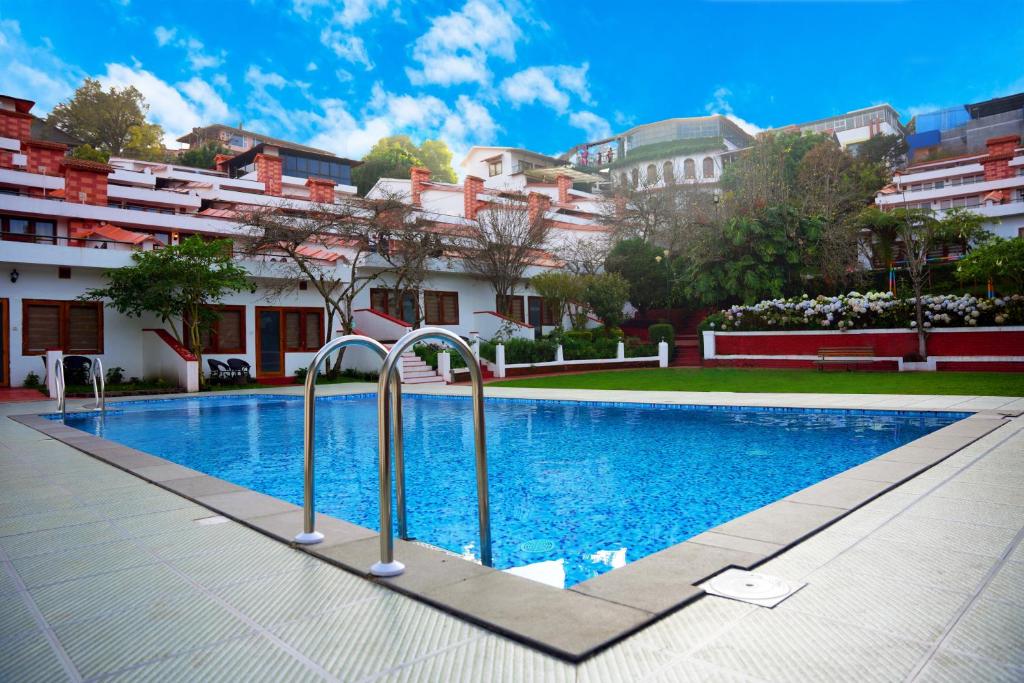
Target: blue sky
[{"x": 339, "y": 74}]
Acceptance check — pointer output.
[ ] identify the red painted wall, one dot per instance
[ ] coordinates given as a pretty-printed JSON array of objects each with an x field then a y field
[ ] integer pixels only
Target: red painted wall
[{"x": 996, "y": 343}]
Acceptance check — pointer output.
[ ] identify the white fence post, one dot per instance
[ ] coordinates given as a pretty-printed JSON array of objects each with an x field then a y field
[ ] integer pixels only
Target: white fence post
[
  {"x": 709, "y": 344},
  {"x": 559, "y": 355},
  {"x": 620, "y": 350},
  {"x": 52, "y": 359},
  {"x": 444, "y": 366},
  {"x": 476, "y": 349},
  {"x": 499, "y": 360},
  {"x": 662, "y": 354}
]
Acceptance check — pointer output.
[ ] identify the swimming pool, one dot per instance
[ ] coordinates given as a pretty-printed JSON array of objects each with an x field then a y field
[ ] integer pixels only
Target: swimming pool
[{"x": 578, "y": 487}]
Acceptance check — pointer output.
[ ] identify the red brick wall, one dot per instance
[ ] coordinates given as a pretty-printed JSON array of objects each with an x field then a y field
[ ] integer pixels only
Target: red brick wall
[
  {"x": 6, "y": 159},
  {"x": 268, "y": 172},
  {"x": 44, "y": 157},
  {"x": 321, "y": 190},
  {"x": 983, "y": 343},
  {"x": 1000, "y": 151},
  {"x": 471, "y": 187},
  {"x": 537, "y": 204},
  {"x": 564, "y": 185},
  {"x": 220, "y": 162},
  {"x": 92, "y": 183},
  {"x": 419, "y": 177},
  {"x": 15, "y": 125}
]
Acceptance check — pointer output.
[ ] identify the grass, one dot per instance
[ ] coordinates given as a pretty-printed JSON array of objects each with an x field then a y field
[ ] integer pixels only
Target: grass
[{"x": 785, "y": 381}]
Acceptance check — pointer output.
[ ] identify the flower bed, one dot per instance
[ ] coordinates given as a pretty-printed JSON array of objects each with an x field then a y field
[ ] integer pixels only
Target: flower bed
[{"x": 873, "y": 310}]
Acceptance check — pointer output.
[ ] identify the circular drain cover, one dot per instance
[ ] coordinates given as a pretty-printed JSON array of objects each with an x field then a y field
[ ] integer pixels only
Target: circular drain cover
[
  {"x": 540, "y": 545},
  {"x": 749, "y": 586}
]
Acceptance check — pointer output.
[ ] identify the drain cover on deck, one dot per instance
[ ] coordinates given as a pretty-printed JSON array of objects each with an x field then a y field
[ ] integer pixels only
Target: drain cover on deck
[{"x": 757, "y": 589}]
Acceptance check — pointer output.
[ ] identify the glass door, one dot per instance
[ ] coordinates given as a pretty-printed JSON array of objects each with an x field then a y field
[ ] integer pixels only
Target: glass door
[
  {"x": 269, "y": 350},
  {"x": 536, "y": 315}
]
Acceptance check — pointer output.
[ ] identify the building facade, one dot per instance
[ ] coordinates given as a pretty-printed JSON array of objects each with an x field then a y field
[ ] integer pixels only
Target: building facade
[
  {"x": 990, "y": 184},
  {"x": 962, "y": 130},
  {"x": 856, "y": 127}
]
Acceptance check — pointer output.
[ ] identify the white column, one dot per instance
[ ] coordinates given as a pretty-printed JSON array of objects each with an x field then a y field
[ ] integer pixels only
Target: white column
[
  {"x": 620, "y": 351},
  {"x": 559, "y": 355},
  {"x": 662, "y": 354},
  {"x": 476, "y": 349},
  {"x": 52, "y": 359},
  {"x": 444, "y": 366},
  {"x": 191, "y": 376},
  {"x": 709, "y": 344},
  {"x": 499, "y": 360}
]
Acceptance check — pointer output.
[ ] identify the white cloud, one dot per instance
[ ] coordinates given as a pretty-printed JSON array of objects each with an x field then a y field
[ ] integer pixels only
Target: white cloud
[
  {"x": 194, "y": 49},
  {"x": 719, "y": 104},
  {"x": 265, "y": 103},
  {"x": 346, "y": 46},
  {"x": 549, "y": 85},
  {"x": 33, "y": 72},
  {"x": 595, "y": 127},
  {"x": 354, "y": 12},
  {"x": 312, "y": 66},
  {"x": 177, "y": 108},
  {"x": 456, "y": 47}
]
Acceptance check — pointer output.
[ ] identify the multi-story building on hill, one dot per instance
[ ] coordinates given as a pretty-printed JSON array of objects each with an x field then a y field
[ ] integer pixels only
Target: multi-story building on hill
[
  {"x": 964, "y": 130},
  {"x": 65, "y": 221}
]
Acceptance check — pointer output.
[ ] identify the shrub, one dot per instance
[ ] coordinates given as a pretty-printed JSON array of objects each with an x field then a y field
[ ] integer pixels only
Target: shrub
[
  {"x": 115, "y": 375},
  {"x": 300, "y": 374},
  {"x": 428, "y": 354},
  {"x": 529, "y": 351},
  {"x": 662, "y": 332},
  {"x": 32, "y": 381},
  {"x": 578, "y": 335}
]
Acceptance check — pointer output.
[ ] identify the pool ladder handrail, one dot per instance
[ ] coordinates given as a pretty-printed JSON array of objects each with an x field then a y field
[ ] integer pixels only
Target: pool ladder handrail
[
  {"x": 99, "y": 386},
  {"x": 389, "y": 377},
  {"x": 309, "y": 533},
  {"x": 61, "y": 387}
]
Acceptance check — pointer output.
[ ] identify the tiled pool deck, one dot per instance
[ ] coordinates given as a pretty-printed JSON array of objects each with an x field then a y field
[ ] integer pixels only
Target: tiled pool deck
[{"x": 108, "y": 576}]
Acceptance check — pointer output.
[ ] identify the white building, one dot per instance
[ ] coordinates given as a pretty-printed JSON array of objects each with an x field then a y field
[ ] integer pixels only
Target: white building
[
  {"x": 990, "y": 184},
  {"x": 64, "y": 221},
  {"x": 856, "y": 127}
]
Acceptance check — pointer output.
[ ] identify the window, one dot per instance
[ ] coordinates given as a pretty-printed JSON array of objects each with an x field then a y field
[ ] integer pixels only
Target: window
[
  {"x": 668, "y": 172},
  {"x": 28, "y": 230},
  {"x": 635, "y": 177},
  {"x": 386, "y": 301},
  {"x": 227, "y": 333},
  {"x": 303, "y": 329},
  {"x": 514, "y": 308},
  {"x": 709, "y": 167},
  {"x": 494, "y": 167},
  {"x": 70, "y": 326},
  {"x": 689, "y": 170},
  {"x": 236, "y": 141},
  {"x": 652, "y": 174},
  {"x": 441, "y": 308}
]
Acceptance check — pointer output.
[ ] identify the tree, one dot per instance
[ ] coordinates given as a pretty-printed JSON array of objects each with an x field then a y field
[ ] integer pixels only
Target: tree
[
  {"x": 999, "y": 259},
  {"x": 203, "y": 156},
  {"x": 333, "y": 247},
  {"x": 409, "y": 245},
  {"x": 177, "y": 283},
  {"x": 89, "y": 153},
  {"x": 392, "y": 157},
  {"x": 887, "y": 150},
  {"x": 507, "y": 239},
  {"x": 563, "y": 291},
  {"x": 102, "y": 119},
  {"x": 647, "y": 270},
  {"x": 883, "y": 228},
  {"x": 145, "y": 143},
  {"x": 606, "y": 294},
  {"x": 919, "y": 232}
]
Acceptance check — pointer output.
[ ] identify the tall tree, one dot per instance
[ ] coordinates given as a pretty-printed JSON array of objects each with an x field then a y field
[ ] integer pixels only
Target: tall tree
[
  {"x": 101, "y": 118},
  {"x": 392, "y": 157},
  {"x": 202, "y": 156},
  {"x": 505, "y": 242},
  {"x": 1000, "y": 259},
  {"x": 647, "y": 269},
  {"x": 145, "y": 143},
  {"x": 178, "y": 284}
]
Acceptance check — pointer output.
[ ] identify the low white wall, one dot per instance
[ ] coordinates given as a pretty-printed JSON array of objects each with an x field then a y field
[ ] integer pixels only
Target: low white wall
[
  {"x": 378, "y": 326},
  {"x": 490, "y": 325},
  {"x": 161, "y": 360}
]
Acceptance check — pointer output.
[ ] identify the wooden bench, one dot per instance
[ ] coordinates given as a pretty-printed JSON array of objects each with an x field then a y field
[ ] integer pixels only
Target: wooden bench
[{"x": 848, "y": 355}]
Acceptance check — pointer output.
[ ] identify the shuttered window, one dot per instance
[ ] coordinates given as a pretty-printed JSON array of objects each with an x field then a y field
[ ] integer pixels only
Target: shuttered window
[
  {"x": 68, "y": 326},
  {"x": 314, "y": 331},
  {"x": 227, "y": 333},
  {"x": 303, "y": 329},
  {"x": 292, "y": 331},
  {"x": 514, "y": 311},
  {"x": 441, "y": 308}
]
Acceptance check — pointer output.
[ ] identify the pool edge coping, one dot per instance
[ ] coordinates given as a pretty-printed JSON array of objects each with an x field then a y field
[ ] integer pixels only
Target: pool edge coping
[{"x": 575, "y": 623}]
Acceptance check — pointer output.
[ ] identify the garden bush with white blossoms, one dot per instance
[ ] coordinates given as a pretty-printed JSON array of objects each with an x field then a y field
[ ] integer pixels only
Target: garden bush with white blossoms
[{"x": 873, "y": 310}]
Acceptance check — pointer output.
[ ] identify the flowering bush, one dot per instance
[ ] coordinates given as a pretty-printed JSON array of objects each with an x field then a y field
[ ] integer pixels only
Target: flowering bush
[{"x": 873, "y": 310}]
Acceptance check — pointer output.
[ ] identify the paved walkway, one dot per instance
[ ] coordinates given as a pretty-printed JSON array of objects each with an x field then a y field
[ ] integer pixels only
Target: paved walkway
[{"x": 106, "y": 577}]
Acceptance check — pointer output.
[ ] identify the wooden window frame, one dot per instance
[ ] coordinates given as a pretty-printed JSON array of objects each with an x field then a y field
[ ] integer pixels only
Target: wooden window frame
[
  {"x": 30, "y": 235},
  {"x": 391, "y": 295},
  {"x": 547, "y": 314},
  {"x": 63, "y": 322},
  {"x": 214, "y": 346},
  {"x": 304, "y": 345},
  {"x": 512, "y": 312},
  {"x": 442, "y": 295}
]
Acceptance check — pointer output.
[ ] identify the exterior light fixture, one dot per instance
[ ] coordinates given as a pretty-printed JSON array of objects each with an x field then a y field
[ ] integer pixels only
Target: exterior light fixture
[{"x": 15, "y": 275}]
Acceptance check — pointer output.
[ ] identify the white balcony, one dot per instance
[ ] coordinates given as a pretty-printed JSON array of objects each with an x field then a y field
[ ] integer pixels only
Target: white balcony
[
  {"x": 908, "y": 197},
  {"x": 158, "y": 197},
  {"x": 25, "y": 179},
  {"x": 940, "y": 174}
]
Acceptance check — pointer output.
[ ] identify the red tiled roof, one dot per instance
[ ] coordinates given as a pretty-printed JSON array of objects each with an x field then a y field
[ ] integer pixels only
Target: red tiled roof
[
  {"x": 113, "y": 233},
  {"x": 85, "y": 165}
]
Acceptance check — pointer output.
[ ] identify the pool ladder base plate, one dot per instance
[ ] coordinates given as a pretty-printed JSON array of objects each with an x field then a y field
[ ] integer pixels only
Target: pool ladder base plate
[
  {"x": 385, "y": 569},
  {"x": 309, "y": 538}
]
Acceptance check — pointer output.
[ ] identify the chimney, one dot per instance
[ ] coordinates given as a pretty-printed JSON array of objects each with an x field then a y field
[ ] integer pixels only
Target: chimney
[
  {"x": 471, "y": 187},
  {"x": 44, "y": 157},
  {"x": 220, "y": 162},
  {"x": 85, "y": 182},
  {"x": 268, "y": 172},
  {"x": 537, "y": 205},
  {"x": 620, "y": 206},
  {"x": 321, "y": 190},
  {"x": 17, "y": 123},
  {"x": 1000, "y": 152},
  {"x": 564, "y": 185},
  {"x": 420, "y": 177}
]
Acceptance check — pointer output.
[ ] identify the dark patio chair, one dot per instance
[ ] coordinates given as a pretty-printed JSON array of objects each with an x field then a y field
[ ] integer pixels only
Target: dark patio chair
[
  {"x": 76, "y": 369},
  {"x": 219, "y": 371},
  {"x": 240, "y": 369}
]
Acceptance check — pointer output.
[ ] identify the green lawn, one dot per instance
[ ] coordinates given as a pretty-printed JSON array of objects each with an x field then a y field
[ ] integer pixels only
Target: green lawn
[{"x": 783, "y": 381}]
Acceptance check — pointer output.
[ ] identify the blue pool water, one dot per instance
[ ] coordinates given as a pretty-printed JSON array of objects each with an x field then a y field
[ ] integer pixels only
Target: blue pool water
[{"x": 576, "y": 488}]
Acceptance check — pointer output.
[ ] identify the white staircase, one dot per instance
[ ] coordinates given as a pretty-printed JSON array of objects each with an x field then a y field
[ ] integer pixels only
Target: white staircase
[{"x": 416, "y": 371}]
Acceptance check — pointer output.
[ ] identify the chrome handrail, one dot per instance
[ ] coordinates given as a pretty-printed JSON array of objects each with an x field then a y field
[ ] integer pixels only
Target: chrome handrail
[
  {"x": 388, "y": 566},
  {"x": 99, "y": 390},
  {"x": 309, "y": 533},
  {"x": 61, "y": 386}
]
